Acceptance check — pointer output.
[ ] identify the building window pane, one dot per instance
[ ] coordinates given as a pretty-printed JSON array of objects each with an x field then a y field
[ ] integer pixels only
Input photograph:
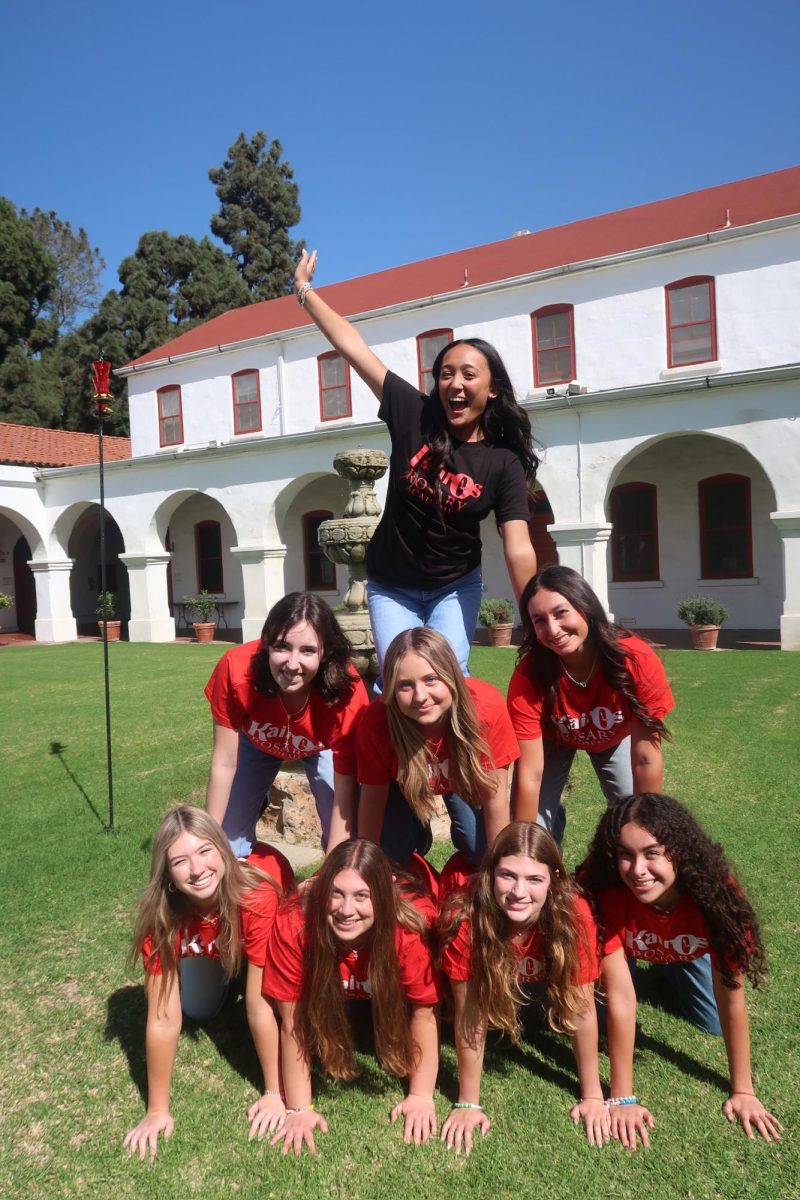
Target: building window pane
[
  {"x": 334, "y": 387},
  {"x": 554, "y": 346},
  {"x": 320, "y": 571},
  {"x": 170, "y": 416},
  {"x": 634, "y": 538},
  {"x": 691, "y": 326},
  {"x": 246, "y": 403},
  {"x": 208, "y": 545},
  {"x": 428, "y": 346},
  {"x": 726, "y": 541}
]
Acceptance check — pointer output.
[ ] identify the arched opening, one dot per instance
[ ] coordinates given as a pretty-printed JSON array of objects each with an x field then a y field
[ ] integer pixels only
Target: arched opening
[{"x": 85, "y": 582}]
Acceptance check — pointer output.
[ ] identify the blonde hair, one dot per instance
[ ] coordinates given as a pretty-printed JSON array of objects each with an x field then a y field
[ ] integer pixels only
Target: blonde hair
[
  {"x": 465, "y": 743},
  {"x": 164, "y": 911},
  {"x": 494, "y": 993}
]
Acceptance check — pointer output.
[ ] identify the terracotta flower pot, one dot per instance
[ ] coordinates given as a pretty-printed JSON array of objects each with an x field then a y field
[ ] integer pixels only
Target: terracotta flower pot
[
  {"x": 204, "y": 630},
  {"x": 112, "y": 630},
  {"x": 500, "y": 634},
  {"x": 704, "y": 637}
]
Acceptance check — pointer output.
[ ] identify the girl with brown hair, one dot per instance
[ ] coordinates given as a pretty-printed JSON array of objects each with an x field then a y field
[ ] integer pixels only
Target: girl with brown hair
[{"x": 354, "y": 934}]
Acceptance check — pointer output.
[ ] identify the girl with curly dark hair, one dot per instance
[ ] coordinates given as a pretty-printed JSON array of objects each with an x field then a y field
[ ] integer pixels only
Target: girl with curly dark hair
[
  {"x": 521, "y": 925},
  {"x": 582, "y": 683},
  {"x": 458, "y": 454},
  {"x": 666, "y": 894},
  {"x": 293, "y": 694},
  {"x": 356, "y": 933}
]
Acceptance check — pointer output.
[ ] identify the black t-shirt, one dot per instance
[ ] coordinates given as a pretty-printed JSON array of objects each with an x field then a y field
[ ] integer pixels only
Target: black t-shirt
[{"x": 415, "y": 545}]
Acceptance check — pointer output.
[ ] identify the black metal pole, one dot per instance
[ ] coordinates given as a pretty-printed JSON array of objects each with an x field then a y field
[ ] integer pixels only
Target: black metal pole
[{"x": 110, "y": 826}]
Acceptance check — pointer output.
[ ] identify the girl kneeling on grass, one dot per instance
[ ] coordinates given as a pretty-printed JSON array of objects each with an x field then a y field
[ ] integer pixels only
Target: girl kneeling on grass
[
  {"x": 521, "y": 923},
  {"x": 202, "y": 912},
  {"x": 666, "y": 895},
  {"x": 354, "y": 934}
]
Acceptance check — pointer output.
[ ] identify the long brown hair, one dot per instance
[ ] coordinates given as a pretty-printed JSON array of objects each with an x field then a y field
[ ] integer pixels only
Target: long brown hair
[
  {"x": 333, "y": 680},
  {"x": 465, "y": 742},
  {"x": 494, "y": 993},
  {"x": 165, "y": 911},
  {"x": 321, "y": 1022}
]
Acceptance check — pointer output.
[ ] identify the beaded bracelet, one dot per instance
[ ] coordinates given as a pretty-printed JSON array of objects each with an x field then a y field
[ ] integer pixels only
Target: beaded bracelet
[
  {"x": 301, "y": 294},
  {"x": 274, "y": 1095},
  {"x": 466, "y": 1104},
  {"x": 290, "y": 1112},
  {"x": 613, "y": 1101}
]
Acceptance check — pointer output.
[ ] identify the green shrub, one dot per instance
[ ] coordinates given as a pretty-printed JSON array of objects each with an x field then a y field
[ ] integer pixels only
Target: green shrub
[
  {"x": 496, "y": 612},
  {"x": 702, "y": 610}
]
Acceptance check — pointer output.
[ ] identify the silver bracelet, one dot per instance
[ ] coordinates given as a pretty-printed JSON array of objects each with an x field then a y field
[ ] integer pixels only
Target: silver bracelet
[{"x": 301, "y": 294}]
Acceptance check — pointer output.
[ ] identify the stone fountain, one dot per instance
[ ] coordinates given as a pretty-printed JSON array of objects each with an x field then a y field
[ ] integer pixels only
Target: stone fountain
[{"x": 345, "y": 539}]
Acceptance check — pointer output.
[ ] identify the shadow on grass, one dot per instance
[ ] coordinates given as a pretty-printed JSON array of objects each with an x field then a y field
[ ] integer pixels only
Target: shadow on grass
[
  {"x": 546, "y": 1054},
  {"x": 57, "y": 749}
]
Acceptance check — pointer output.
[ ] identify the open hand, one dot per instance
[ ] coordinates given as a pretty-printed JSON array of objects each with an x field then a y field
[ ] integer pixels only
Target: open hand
[
  {"x": 459, "y": 1127},
  {"x": 304, "y": 271},
  {"x": 596, "y": 1120},
  {"x": 419, "y": 1118},
  {"x": 629, "y": 1121},
  {"x": 145, "y": 1136},
  {"x": 751, "y": 1114},
  {"x": 266, "y": 1116},
  {"x": 298, "y": 1130}
]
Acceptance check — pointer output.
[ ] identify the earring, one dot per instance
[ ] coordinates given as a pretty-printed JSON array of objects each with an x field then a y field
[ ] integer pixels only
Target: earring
[{"x": 171, "y": 886}]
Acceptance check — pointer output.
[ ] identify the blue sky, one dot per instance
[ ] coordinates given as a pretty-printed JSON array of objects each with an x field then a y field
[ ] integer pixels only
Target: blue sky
[{"x": 413, "y": 128}]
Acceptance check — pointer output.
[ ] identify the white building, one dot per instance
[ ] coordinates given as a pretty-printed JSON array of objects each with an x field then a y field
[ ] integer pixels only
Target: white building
[{"x": 657, "y": 351}]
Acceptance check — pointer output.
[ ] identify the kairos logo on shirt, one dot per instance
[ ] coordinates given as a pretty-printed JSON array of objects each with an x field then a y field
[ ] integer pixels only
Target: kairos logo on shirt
[
  {"x": 591, "y": 726},
  {"x": 280, "y": 739},
  {"x": 530, "y": 969},
  {"x": 457, "y": 487},
  {"x": 357, "y": 987},
  {"x": 197, "y": 947},
  {"x": 651, "y": 946}
]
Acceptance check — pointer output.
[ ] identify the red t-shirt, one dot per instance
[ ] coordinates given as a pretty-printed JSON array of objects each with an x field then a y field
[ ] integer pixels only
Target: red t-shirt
[
  {"x": 283, "y": 971},
  {"x": 236, "y": 704},
  {"x": 679, "y": 936},
  {"x": 455, "y": 876},
  {"x": 593, "y": 718},
  {"x": 377, "y": 759},
  {"x": 457, "y": 957}
]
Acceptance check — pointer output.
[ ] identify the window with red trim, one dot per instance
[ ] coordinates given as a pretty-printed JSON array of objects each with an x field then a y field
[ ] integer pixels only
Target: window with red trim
[
  {"x": 208, "y": 550},
  {"x": 246, "y": 402},
  {"x": 428, "y": 346},
  {"x": 170, "y": 416},
  {"x": 320, "y": 571},
  {"x": 634, "y": 534},
  {"x": 334, "y": 387},
  {"x": 553, "y": 345},
  {"x": 691, "y": 321},
  {"x": 726, "y": 537}
]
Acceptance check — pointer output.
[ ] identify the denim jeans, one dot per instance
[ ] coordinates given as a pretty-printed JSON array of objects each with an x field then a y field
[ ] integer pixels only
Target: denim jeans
[
  {"x": 692, "y": 984},
  {"x": 403, "y": 832},
  {"x": 612, "y": 768},
  {"x": 451, "y": 610},
  {"x": 203, "y": 987},
  {"x": 255, "y": 774}
]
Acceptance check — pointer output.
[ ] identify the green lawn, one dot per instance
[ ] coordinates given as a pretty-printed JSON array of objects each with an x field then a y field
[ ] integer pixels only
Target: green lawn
[{"x": 72, "y": 1075}]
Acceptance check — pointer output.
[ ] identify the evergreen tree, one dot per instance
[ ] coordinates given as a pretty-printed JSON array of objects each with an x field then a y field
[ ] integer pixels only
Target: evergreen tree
[
  {"x": 76, "y": 287},
  {"x": 258, "y": 205}
]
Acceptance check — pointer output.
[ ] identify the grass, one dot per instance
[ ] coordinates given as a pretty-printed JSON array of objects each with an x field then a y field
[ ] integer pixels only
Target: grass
[{"x": 72, "y": 1077}]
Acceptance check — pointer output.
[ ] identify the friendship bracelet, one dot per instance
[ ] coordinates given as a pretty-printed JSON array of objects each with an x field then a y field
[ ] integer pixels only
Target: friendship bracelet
[
  {"x": 301, "y": 294},
  {"x": 585, "y": 1098},
  {"x": 466, "y": 1104},
  {"x": 290, "y": 1112},
  {"x": 274, "y": 1095},
  {"x": 613, "y": 1101}
]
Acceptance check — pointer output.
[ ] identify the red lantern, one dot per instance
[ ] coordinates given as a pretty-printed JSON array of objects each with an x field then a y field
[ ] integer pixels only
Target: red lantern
[{"x": 100, "y": 381}]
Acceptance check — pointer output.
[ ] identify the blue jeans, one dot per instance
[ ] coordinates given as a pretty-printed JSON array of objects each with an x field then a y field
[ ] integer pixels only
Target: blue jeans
[
  {"x": 451, "y": 610},
  {"x": 612, "y": 768},
  {"x": 255, "y": 775},
  {"x": 403, "y": 832},
  {"x": 203, "y": 987},
  {"x": 692, "y": 982}
]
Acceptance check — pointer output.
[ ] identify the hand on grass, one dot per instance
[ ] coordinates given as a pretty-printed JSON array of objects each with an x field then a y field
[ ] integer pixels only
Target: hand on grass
[
  {"x": 459, "y": 1127},
  {"x": 298, "y": 1130},
  {"x": 629, "y": 1121},
  {"x": 145, "y": 1135},
  {"x": 419, "y": 1118},
  {"x": 265, "y": 1116},
  {"x": 751, "y": 1114},
  {"x": 596, "y": 1120}
]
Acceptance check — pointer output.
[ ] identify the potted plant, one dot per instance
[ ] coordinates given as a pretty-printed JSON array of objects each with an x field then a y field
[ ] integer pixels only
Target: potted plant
[
  {"x": 202, "y": 606},
  {"x": 498, "y": 617},
  {"x": 6, "y": 601},
  {"x": 703, "y": 615},
  {"x": 106, "y": 615}
]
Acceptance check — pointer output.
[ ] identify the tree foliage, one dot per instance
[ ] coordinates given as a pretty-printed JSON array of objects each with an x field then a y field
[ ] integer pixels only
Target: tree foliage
[
  {"x": 258, "y": 205},
  {"x": 76, "y": 287}
]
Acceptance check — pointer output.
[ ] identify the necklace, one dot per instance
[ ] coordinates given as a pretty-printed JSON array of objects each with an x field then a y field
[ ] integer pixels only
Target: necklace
[
  {"x": 581, "y": 683},
  {"x": 287, "y": 745}
]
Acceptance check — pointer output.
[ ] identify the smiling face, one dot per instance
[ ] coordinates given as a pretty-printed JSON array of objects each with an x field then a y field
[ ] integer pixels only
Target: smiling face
[
  {"x": 196, "y": 868},
  {"x": 559, "y": 626},
  {"x": 465, "y": 387},
  {"x": 420, "y": 693},
  {"x": 294, "y": 659},
  {"x": 521, "y": 885},
  {"x": 645, "y": 867},
  {"x": 351, "y": 914}
]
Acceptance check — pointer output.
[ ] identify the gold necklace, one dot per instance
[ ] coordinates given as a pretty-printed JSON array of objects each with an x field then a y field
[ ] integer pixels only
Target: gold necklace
[
  {"x": 287, "y": 745},
  {"x": 578, "y": 682}
]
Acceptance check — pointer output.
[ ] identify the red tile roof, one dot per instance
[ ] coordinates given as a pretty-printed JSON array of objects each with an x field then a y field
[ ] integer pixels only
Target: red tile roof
[
  {"x": 31, "y": 446},
  {"x": 729, "y": 205}
]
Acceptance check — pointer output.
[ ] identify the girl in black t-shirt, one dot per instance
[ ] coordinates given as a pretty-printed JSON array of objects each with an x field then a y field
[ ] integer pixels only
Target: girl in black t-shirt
[{"x": 458, "y": 454}]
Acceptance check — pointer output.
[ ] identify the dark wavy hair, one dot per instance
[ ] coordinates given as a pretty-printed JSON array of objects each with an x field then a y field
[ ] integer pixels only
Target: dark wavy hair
[
  {"x": 703, "y": 874},
  {"x": 544, "y": 666},
  {"x": 504, "y": 422},
  {"x": 333, "y": 680}
]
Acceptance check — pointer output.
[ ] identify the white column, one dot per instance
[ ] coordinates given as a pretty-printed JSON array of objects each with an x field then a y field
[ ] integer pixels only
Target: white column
[
  {"x": 151, "y": 620},
  {"x": 263, "y": 583},
  {"x": 788, "y": 524},
  {"x": 583, "y": 546},
  {"x": 54, "y": 619}
]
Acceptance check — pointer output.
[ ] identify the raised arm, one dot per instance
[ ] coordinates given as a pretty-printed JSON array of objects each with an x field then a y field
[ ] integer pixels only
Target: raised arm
[
  {"x": 224, "y": 760},
  {"x": 462, "y": 1122},
  {"x": 343, "y": 336},
  {"x": 743, "y": 1104},
  {"x": 268, "y": 1113},
  {"x": 163, "y": 1030}
]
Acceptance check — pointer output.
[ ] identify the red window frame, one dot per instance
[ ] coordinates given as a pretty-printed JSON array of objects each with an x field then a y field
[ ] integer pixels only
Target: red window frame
[
  {"x": 163, "y": 418},
  {"x": 424, "y": 373},
  {"x": 745, "y": 528},
  {"x": 711, "y": 321},
  {"x": 239, "y": 405},
  {"x": 649, "y": 533},
  {"x": 323, "y": 388},
  {"x": 552, "y": 310},
  {"x": 202, "y": 560},
  {"x": 311, "y": 552}
]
